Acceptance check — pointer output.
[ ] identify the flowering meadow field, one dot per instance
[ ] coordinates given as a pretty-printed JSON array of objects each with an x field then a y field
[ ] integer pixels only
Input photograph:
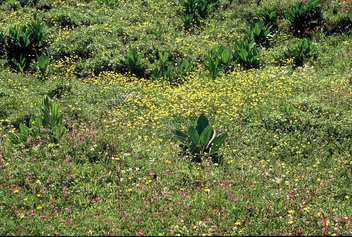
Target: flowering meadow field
[{"x": 175, "y": 117}]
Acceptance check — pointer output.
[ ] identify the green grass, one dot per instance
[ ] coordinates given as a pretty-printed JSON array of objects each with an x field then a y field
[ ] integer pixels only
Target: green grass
[{"x": 119, "y": 170}]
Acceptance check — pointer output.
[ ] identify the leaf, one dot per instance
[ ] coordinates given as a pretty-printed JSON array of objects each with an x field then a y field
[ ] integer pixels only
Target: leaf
[
  {"x": 180, "y": 135},
  {"x": 42, "y": 61},
  {"x": 217, "y": 142},
  {"x": 202, "y": 123},
  {"x": 194, "y": 149},
  {"x": 193, "y": 135},
  {"x": 164, "y": 56},
  {"x": 185, "y": 66},
  {"x": 205, "y": 135},
  {"x": 225, "y": 55},
  {"x": 23, "y": 134},
  {"x": 24, "y": 129}
]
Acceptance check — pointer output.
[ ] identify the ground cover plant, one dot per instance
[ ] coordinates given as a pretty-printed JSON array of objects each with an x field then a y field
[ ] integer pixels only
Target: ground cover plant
[{"x": 128, "y": 118}]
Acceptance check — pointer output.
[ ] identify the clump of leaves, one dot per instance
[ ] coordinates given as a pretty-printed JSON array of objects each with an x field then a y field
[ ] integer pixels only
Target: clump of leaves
[
  {"x": 162, "y": 65},
  {"x": 305, "y": 17},
  {"x": 195, "y": 10},
  {"x": 21, "y": 136},
  {"x": 268, "y": 17},
  {"x": 201, "y": 141},
  {"x": 134, "y": 64},
  {"x": 218, "y": 60},
  {"x": 301, "y": 51},
  {"x": 260, "y": 33},
  {"x": 169, "y": 72},
  {"x": 48, "y": 125},
  {"x": 52, "y": 118},
  {"x": 246, "y": 54},
  {"x": 21, "y": 64},
  {"x": 25, "y": 42}
]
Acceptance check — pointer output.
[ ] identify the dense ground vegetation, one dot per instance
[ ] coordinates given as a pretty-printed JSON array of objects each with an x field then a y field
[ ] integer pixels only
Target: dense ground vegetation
[{"x": 257, "y": 92}]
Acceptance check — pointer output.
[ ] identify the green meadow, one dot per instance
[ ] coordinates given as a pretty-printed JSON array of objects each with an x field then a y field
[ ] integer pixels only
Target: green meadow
[{"x": 175, "y": 117}]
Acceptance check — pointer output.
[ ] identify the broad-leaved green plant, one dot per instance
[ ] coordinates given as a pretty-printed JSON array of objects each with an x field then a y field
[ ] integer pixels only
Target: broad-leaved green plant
[{"x": 201, "y": 141}]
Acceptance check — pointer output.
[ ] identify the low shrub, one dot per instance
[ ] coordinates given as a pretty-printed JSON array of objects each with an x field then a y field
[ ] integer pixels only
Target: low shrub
[
  {"x": 195, "y": 10},
  {"x": 305, "y": 17},
  {"x": 246, "y": 54},
  {"x": 260, "y": 33},
  {"x": 24, "y": 43},
  {"x": 134, "y": 64},
  {"x": 166, "y": 71},
  {"x": 218, "y": 60},
  {"x": 301, "y": 51},
  {"x": 268, "y": 17}
]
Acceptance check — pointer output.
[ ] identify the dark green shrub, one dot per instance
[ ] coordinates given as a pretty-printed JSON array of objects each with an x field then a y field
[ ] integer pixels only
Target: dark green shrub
[
  {"x": 25, "y": 42},
  {"x": 19, "y": 45},
  {"x": 161, "y": 65},
  {"x": 166, "y": 71},
  {"x": 201, "y": 141},
  {"x": 218, "y": 60},
  {"x": 134, "y": 64},
  {"x": 221, "y": 59},
  {"x": 305, "y": 17},
  {"x": 184, "y": 66},
  {"x": 195, "y": 10},
  {"x": 260, "y": 33},
  {"x": 188, "y": 21},
  {"x": 301, "y": 52},
  {"x": 269, "y": 17},
  {"x": 246, "y": 54}
]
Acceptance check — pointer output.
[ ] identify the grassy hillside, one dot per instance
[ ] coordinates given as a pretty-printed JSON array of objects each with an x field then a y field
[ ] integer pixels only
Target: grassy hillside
[{"x": 92, "y": 91}]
